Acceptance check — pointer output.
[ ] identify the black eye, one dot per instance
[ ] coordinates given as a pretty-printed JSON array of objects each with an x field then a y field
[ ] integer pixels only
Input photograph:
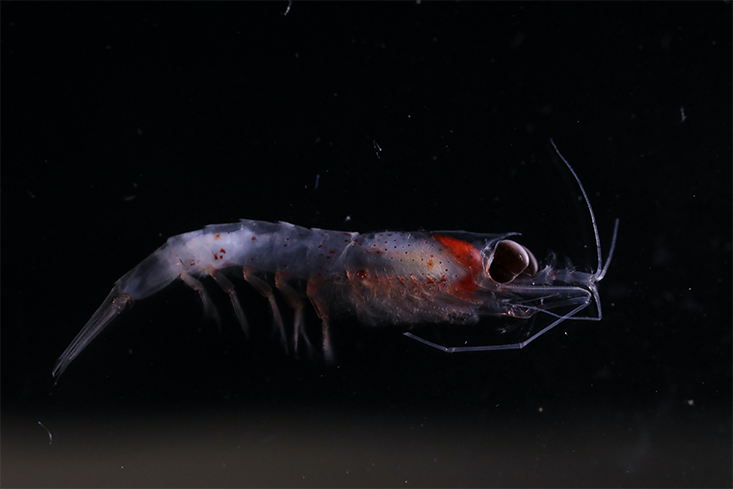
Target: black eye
[{"x": 510, "y": 260}]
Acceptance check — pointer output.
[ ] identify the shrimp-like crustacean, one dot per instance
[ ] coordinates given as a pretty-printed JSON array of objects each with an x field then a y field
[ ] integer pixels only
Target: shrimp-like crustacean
[{"x": 401, "y": 278}]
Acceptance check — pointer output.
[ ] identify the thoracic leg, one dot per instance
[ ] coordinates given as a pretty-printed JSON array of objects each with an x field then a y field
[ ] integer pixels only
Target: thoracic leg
[
  {"x": 266, "y": 291},
  {"x": 296, "y": 302},
  {"x": 209, "y": 308},
  {"x": 322, "y": 312},
  {"x": 228, "y": 287}
]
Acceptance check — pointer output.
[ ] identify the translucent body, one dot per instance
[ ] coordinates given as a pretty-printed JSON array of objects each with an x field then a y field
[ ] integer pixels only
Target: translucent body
[{"x": 398, "y": 278}]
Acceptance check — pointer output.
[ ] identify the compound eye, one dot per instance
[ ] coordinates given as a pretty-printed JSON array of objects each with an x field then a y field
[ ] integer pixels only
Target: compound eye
[{"x": 510, "y": 260}]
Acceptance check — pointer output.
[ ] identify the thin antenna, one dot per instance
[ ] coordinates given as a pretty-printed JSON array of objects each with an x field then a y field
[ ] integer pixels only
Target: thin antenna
[
  {"x": 591, "y": 291},
  {"x": 587, "y": 202}
]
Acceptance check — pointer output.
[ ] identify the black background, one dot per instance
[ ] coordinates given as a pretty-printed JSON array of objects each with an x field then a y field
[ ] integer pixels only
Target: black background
[{"x": 124, "y": 124}]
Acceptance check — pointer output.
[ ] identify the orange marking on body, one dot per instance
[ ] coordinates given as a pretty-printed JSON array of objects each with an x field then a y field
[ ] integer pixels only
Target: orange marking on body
[
  {"x": 217, "y": 236},
  {"x": 466, "y": 255}
]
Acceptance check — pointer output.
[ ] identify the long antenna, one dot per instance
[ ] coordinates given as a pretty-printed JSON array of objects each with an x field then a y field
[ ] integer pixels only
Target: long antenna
[
  {"x": 590, "y": 207},
  {"x": 601, "y": 270}
]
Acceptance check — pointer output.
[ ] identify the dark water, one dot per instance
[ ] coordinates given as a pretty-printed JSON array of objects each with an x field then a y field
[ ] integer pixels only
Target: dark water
[{"x": 124, "y": 124}]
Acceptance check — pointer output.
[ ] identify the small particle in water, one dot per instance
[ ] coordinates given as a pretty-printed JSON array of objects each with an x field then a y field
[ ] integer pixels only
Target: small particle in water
[
  {"x": 50, "y": 436},
  {"x": 377, "y": 147}
]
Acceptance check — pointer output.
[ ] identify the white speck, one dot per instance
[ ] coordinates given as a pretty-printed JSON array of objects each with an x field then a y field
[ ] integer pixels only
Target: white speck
[
  {"x": 377, "y": 147},
  {"x": 318, "y": 179},
  {"x": 682, "y": 115},
  {"x": 290, "y": 2},
  {"x": 690, "y": 402},
  {"x": 50, "y": 436}
]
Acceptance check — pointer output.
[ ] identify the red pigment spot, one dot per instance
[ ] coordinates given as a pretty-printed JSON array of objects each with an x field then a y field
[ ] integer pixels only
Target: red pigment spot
[
  {"x": 332, "y": 252},
  {"x": 192, "y": 263},
  {"x": 320, "y": 246},
  {"x": 430, "y": 263},
  {"x": 254, "y": 239},
  {"x": 430, "y": 281},
  {"x": 362, "y": 274},
  {"x": 222, "y": 250},
  {"x": 285, "y": 246},
  {"x": 465, "y": 255},
  {"x": 217, "y": 236}
]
